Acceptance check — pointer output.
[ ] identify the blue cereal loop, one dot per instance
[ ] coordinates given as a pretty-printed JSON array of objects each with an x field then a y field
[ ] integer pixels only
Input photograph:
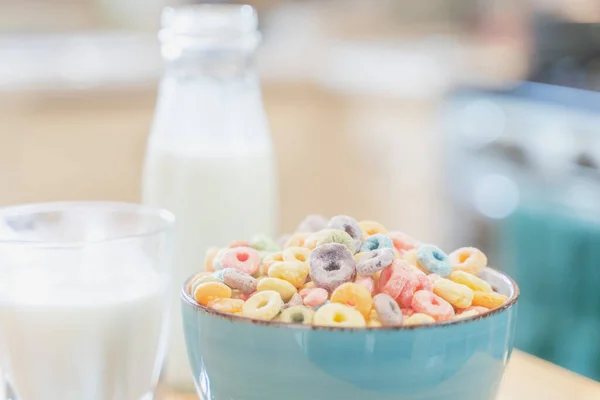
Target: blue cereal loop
[
  {"x": 219, "y": 274},
  {"x": 434, "y": 260},
  {"x": 376, "y": 242}
]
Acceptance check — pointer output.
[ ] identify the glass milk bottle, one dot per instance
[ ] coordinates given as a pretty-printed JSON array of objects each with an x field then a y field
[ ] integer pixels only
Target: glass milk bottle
[{"x": 209, "y": 158}]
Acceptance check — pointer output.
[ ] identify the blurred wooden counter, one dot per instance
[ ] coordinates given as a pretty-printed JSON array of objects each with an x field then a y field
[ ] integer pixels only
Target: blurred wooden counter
[{"x": 527, "y": 378}]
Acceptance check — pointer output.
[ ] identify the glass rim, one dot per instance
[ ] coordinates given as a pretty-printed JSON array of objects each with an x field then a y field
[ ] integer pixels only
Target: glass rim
[{"x": 167, "y": 218}]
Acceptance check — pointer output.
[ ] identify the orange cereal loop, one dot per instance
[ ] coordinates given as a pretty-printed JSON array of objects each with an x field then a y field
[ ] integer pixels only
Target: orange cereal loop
[
  {"x": 230, "y": 306},
  {"x": 211, "y": 253},
  {"x": 268, "y": 261},
  {"x": 370, "y": 228},
  {"x": 297, "y": 239},
  {"x": 488, "y": 300},
  {"x": 468, "y": 259},
  {"x": 209, "y": 291},
  {"x": 355, "y": 296}
]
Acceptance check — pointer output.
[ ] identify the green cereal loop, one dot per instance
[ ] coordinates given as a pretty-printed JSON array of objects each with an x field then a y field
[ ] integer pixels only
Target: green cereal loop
[
  {"x": 264, "y": 243},
  {"x": 298, "y": 315},
  {"x": 338, "y": 236},
  {"x": 263, "y": 254}
]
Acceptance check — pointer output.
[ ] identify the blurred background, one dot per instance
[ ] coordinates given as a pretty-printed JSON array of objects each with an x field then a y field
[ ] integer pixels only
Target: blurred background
[{"x": 464, "y": 122}]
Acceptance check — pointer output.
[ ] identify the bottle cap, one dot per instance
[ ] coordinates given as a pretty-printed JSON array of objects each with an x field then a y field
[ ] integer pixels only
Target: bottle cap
[{"x": 225, "y": 21}]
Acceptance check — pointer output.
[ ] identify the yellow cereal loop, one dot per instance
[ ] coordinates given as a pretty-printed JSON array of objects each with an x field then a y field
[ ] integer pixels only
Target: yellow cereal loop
[
  {"x": 460, "y": 296},
  {"x": 418, "y": 318},
  {"x": 263, "y": 305},
  {"x": 209, "y": 291},
  {"x": 227, "y": 305},
  {"x": 314, "y": 238},
  {"x": 297, "y": 239},
  {"x": 468, "y": 259},
  {"x": 296, "y": 253},
  {"x": 294, "y": 272},
  {"x": 285, "y": 289},
  {"x": 370, "y": 228},
  {"x": 488, "y": 300},
  {"x": 268, "y": 261},
  {"x": 466, "y": 314},
  {"x": 411, "y": 257},
  {"x": 339, "y": 315},
  {"x": 373, "y": 321},
  {"x": 298, "y": 315},
  {"x": 471, "y": 281},
  {"x": 355, "y": 296}
]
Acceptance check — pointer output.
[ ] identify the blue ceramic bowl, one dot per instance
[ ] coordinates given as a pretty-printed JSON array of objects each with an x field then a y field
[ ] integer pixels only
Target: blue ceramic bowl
[{"x": 235, "y": 358}]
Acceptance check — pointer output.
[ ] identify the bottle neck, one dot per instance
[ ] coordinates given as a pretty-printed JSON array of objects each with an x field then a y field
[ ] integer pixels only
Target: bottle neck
[{"x": 220, "y": 64}]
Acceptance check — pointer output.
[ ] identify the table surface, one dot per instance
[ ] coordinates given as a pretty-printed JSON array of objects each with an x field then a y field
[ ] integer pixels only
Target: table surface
[{"x": 527, "y": 378}]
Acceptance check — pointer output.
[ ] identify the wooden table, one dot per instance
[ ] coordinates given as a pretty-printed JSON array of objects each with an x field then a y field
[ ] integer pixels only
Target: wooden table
[{"x": 527, "y": 378}]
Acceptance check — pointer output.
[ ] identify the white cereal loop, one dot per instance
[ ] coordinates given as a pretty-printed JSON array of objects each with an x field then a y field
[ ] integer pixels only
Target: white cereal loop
[{"x": 388, "y": 310}]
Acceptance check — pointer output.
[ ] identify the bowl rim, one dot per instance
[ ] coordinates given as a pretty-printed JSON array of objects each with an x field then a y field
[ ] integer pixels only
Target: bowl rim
[{"x": 512, "y": 300}]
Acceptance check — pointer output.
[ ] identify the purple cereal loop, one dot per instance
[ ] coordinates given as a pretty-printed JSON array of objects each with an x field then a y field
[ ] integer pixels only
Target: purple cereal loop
[
  {"x": 350, "y": 226},
  {"x": 312, "y": 223},
  {"x": 237, "y": 279},
  {"x": 388, "y": 310},
  {"x": 331, "y": 265},
  {"x": 373, "y": 261}
]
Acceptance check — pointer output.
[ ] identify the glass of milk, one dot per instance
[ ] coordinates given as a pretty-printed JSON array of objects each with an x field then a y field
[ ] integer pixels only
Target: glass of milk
[
  {"x": 210, "y": 157},
  {"x": 84, "y": 290}
]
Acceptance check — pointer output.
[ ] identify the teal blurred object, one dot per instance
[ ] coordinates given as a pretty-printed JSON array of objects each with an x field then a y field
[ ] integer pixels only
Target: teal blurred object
[
  {"x": 235, "y": 358},
  {"x": 554, "y": 254},
  {"x": 523, "y": 181}
]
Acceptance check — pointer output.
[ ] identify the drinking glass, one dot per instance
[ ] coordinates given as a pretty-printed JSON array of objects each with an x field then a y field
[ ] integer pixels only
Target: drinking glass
[{"x": 83, "y": 300}]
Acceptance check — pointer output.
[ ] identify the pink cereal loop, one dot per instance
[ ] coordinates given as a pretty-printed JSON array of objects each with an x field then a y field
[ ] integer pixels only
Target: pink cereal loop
[
  {"x": 245, "y": 259},
  {"x": 431, "y": 304},
  {"x": 418, "y": 281},
  {"x": 402, "y": 242},
  {"x": 314, "y": 297},
  {"x": 394, "y": 278},
  {"x": 407, "y": 312},
  {"x": 367, "y": 282}
]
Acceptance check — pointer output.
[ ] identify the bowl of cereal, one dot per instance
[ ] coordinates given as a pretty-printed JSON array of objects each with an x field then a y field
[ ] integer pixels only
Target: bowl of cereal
[{"x": 347, "y": 310}]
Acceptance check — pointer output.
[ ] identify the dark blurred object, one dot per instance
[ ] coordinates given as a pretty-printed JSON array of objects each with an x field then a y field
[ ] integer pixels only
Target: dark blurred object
[
  {"x": 524, "y": 185},
  {"x": 567, "y": 53}
]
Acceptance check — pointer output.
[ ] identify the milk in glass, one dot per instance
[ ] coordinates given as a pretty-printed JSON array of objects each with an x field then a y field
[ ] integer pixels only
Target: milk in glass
[{"x": 89, "y": 326}]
